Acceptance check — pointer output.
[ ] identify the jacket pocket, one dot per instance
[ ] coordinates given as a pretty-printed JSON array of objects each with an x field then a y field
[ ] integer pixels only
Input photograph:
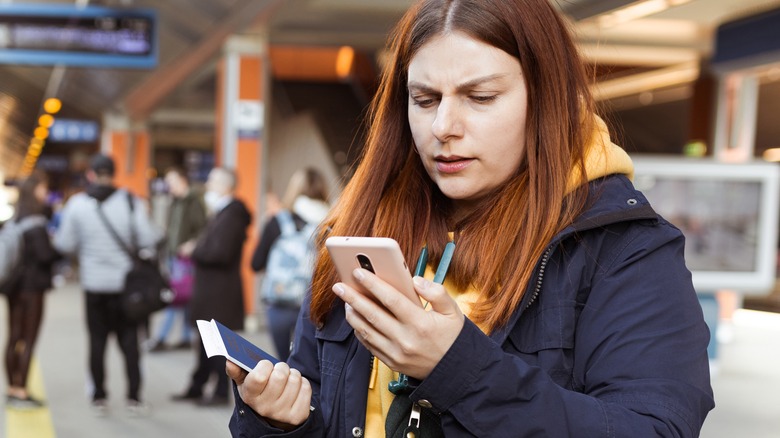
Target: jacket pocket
[{"x": 544, "y": 337}]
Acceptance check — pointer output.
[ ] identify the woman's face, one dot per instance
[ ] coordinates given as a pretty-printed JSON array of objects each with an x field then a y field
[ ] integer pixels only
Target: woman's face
[
  {"x": 41, "y": 192},
  {"x": 176, "y": 184},
  {"x": 467, "y": 108}
]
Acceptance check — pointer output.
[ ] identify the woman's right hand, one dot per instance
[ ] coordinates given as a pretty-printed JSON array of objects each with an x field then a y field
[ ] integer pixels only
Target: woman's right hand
[{"x": 276, "y": 392}]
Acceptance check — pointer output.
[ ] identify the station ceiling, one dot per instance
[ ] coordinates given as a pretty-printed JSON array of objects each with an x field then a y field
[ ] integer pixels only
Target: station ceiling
[{"x": 191, "y": 33}]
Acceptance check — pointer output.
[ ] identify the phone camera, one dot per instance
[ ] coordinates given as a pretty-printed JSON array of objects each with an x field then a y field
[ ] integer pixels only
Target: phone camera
[{"x": 365, "y": 263}]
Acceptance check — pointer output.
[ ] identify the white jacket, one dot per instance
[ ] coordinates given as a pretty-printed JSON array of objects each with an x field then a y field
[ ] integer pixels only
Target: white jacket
[{"x": 103, "y": 264}]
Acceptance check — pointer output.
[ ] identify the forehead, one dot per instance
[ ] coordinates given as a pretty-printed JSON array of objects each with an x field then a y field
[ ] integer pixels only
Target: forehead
[{"x": 455, "y": 57}]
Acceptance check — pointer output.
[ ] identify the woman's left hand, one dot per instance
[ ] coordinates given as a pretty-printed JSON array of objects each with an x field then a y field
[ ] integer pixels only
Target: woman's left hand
[{"x": 403, "y": 335}]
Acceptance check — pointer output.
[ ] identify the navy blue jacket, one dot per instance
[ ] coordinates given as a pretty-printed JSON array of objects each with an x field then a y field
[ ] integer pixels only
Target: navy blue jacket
[{"x": 609, "y": 341}]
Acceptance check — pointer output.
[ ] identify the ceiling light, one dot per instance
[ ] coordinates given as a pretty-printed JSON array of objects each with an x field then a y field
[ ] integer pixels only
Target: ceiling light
[
  {"x": 675, "y": 75},
  {"x": 772, "y": 154},
  {"x": 41, "y": 133},
  {"x": 52, "y": 105},
  {"x": 46, "y": 120},
  {"x": 637, "y": 10},
  {"x": 344, "y": 59}
]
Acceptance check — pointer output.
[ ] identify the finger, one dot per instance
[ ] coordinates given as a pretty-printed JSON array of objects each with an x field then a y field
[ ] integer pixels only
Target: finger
[
  {"x": 364, "y": 331},
  {"x": 256, "y": 381},
  {"x": 291, "y": 389},
  {"x": 391, "y": 300},
  {"x": 437, "y": 297},
  {"x": 235, "y": 372},
  {"x": 370, "y": 311},
  {"x": 277, "y": 381},
  {"x": 302, "y": 403}
]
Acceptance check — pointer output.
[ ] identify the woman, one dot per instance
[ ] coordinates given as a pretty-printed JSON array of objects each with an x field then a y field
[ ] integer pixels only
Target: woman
[
  {"x": 304, "y": 206},
  {"x": 549, "y": 322},
  {"x": 186, "y": 219},
  {"x": 26, "y": 294}
]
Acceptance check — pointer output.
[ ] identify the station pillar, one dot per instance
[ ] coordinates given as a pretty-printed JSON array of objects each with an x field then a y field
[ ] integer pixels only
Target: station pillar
[
  {"x": 735, "y": 120},
  {"x": 241, "y": 90},
  {"x": 128, "y": 143}
]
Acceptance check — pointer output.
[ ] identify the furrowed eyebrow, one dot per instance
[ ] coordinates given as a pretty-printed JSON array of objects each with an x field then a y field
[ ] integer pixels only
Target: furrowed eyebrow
[{"x": 420, "y": 87}]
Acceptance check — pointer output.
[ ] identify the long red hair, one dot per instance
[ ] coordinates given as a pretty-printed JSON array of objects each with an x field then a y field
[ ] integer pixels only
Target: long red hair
[{"x": 391, "y": 195}]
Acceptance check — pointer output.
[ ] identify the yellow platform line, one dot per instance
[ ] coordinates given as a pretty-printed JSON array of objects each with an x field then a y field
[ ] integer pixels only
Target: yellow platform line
[{"x": 33, "y": 423}]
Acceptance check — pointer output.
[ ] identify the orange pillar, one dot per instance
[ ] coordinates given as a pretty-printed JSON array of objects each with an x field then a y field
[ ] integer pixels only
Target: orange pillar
[
  {"x": 130, "y": 147},
  {"x": 239, "y": 130}
]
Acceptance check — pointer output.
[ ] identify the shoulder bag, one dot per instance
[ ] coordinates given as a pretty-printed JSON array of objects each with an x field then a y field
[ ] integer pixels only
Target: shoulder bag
[{"x": 146, "y": 290}]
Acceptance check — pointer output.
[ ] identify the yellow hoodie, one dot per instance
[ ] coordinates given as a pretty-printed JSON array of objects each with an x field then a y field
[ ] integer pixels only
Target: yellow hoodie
[{"x": 602, "y": 158}]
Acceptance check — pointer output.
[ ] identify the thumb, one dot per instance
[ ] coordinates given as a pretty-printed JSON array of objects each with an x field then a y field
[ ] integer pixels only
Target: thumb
[
  {"x": 235, "y": 372},
  {"x": 436, "y": 295}
]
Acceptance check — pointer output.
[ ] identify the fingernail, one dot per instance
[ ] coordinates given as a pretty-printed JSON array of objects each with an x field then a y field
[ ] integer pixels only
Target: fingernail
[
  {"x": 347, "y": 308},
  {"x": 358, "y": 273},
  {"x": 421, "y": 282},
  {"x": 338, "y": 289}
]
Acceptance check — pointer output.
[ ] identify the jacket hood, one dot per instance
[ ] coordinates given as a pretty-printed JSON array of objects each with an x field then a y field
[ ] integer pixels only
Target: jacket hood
[
  {"x": 602, "y": 157},
  {"x": 313, "y": 211},
  {"x": 100, "y": 192}
]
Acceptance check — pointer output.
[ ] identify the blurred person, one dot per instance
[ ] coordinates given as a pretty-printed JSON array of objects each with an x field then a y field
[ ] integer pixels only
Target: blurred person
[
  {"x": 186, "y": 219},
  {"x": 26, "y": 292},
  {"x": 304, "y": 206},
  {"x": 218, "y": 291},
  {"x": 567, "y": 308},
  {"x": 103, "y": 265}
]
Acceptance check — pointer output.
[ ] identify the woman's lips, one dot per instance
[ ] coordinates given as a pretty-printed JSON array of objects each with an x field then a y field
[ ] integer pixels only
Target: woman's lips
[{"x": 452, "y": 164}]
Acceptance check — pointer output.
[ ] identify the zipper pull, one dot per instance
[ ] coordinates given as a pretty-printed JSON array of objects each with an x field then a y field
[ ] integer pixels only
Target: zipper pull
[{"x": 413, "y": 429}]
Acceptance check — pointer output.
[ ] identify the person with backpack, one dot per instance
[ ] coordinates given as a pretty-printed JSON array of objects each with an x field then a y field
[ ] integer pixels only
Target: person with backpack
[
  {"x": 284, "y": 252},
  {"x": 97, "y": 226},
  {"x": 28, "y": 278}
]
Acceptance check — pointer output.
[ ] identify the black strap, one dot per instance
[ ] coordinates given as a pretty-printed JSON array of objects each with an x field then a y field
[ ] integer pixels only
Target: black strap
[
  {"x": 133, "y": 237},
  {"x": 129, "y": 250}
]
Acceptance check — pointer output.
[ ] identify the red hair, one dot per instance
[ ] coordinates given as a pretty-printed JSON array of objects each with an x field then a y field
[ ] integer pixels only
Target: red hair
[{"x": 391, "y": 195}]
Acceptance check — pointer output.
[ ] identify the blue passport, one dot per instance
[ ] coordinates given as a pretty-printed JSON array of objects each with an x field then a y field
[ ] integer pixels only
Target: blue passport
[{"x": 219, "y": 340}]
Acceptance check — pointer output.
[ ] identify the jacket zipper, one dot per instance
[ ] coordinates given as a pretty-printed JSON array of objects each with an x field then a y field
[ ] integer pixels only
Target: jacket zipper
[
  {"x": 548, "y": 252},
  {"x": 540, "y": 275}
]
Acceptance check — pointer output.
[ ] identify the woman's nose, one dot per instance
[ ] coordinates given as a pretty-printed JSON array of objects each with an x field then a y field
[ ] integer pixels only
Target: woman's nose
[{"x": 447, "y": 123}]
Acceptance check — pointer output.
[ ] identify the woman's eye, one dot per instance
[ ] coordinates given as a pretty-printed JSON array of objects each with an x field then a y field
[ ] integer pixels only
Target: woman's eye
[
  {"x": 483, "y": 99},
  {"x": 424, "y": 101}
]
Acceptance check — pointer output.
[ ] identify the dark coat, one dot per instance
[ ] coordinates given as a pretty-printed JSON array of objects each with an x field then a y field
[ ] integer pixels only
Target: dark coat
[
  {"x": 608, "y": 341},
  {"x": 217, "y": 289},
  {"x": 38, "y": 258}
]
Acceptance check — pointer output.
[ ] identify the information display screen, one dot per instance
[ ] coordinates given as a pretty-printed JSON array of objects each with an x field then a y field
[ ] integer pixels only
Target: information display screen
[
  {"x": 68, "y": 35},
  {"x": 727, "y": 212}
]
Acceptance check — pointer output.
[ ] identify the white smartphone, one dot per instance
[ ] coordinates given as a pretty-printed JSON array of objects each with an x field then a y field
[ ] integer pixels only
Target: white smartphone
[{"x": 380, "y": 255}]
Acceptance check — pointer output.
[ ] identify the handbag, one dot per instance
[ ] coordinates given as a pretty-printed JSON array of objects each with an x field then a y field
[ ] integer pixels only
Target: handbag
[
  {"x": 182, "y": 276},
  {"x": 146, "y": 290}
]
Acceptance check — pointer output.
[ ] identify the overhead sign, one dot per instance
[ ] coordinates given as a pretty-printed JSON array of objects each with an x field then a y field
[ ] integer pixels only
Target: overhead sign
[
  {"x": 74, "y": 131},
  {"x": 68, "y": 35}
]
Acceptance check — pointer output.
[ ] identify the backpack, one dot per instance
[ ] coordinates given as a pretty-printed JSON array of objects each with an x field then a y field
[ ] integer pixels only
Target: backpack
[
  {"x": 290, "y": 264},
  {"x": 12, "y": 249}
]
